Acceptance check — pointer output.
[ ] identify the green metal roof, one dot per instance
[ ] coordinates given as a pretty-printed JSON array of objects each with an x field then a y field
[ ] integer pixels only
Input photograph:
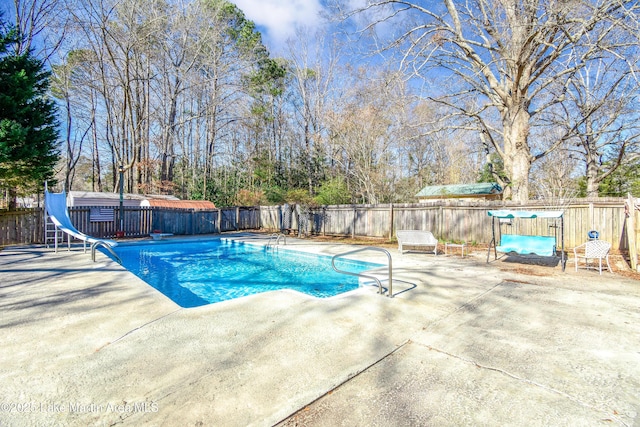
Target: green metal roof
[{"x": 460, "y": 190}]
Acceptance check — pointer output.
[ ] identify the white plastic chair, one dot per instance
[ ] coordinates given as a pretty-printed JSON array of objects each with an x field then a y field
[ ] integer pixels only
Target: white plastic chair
[{"x": 592, "y": 250}]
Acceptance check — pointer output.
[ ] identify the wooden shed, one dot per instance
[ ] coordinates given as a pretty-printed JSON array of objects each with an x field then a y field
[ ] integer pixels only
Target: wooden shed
[
  {"x": 94, "y": 198},
  {"x": 102, "y": 205}
]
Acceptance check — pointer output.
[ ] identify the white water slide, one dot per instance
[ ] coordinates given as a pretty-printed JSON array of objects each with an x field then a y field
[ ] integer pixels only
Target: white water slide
[{"x": 55, "y": 205}]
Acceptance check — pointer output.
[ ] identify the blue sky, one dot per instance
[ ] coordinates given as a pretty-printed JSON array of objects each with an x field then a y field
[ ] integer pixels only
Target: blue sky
[{"x": 277, "y": 20}]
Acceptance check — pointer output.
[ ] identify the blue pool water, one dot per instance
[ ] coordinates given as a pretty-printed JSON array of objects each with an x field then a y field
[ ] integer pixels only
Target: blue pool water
[{"x": 197, "y": 273}]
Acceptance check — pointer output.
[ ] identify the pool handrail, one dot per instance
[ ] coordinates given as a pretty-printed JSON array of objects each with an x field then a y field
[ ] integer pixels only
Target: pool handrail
[
  {"x": 105, "y": 245},
  {"x": 368, "y": 248},
  {"x": 277, "y": 237}
]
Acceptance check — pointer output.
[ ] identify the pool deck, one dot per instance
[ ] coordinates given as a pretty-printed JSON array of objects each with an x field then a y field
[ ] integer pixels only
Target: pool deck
[{"x": 462, "y": 343}]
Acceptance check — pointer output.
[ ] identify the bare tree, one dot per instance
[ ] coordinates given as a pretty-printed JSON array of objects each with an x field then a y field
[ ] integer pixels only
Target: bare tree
[
  {"x": 63, "y": 88},
  {"x": 160, "y": 86},
  {"x": 504, "y": 56},
  {"x": 118, "y": 36},
  {"x": 436, "y": 150},
  {"x": 312, "y": 67},
  {"x": 553, "y": 180},
  {"x": 599, "y": 117},
  {"x": 41, "y": 25},
  {"x": 363, "y": 134}
]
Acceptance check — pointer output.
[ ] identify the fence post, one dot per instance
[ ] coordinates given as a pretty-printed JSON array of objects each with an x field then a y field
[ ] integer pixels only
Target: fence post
[
  {"x": 324, "y": 220},
  {"x": 390, "y": 221},
  {"x": 631, "y": 232},
  {"x": 440, "y": 223},
  {"x": 353, "y": 223},
  {"x": 258, "y": 216},
  {"x": 237, "y": 218}
]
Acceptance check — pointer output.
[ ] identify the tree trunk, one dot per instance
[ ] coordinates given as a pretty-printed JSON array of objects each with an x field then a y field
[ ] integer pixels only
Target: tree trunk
[
  {"x": 12, "y": 199},
  {"x": 591, "y": 159},
  {"x": 517, "y": 157}
]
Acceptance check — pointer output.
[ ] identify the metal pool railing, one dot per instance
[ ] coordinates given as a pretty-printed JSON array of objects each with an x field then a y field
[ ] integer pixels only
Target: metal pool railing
[
  {"x": 104, "y": 245},
  {"x": 368, "y": 248},
  {"x": 274, "y": 240}
]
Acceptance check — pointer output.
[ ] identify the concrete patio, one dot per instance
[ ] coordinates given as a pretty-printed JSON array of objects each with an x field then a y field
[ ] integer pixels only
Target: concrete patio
[{"x": 461, "y": 343}]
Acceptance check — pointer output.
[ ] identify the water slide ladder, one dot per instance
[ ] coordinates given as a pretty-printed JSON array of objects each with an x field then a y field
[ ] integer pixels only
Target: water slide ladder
[
  {"x": 368, "y": 276},
  {"x": 52, "y": 234}
]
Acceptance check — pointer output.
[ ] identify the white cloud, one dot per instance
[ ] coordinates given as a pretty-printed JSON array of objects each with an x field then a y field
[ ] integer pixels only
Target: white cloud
[{"x": 278, "y": 19}]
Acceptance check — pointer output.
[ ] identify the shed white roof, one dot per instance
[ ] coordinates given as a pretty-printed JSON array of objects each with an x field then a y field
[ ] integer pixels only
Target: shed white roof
[{"x": 93, "y": 198}]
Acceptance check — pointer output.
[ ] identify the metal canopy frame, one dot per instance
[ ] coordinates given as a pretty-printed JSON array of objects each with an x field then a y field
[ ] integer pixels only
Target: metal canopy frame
[{"x": 511, "y": 214}]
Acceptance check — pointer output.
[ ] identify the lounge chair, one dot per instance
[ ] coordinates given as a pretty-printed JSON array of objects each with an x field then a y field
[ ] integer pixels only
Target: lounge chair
[{"x": 417, "y": 238}]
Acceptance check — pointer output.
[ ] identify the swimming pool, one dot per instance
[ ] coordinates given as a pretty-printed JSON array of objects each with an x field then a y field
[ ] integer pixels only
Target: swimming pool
[{"x": 195, "y": 273}]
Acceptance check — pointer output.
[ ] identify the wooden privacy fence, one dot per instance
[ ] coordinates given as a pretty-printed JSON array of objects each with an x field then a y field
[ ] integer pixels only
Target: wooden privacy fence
[
  {"x": 460, "y": 221},
  {"x": 26, "y": 226},
  {"x": 188, "y": 221},
  {"x": 23, "y": 226},
  {"x": 449, "y": 221},
  {"x": 136, "y": 222},
  {"x": 141, "y": 221}
]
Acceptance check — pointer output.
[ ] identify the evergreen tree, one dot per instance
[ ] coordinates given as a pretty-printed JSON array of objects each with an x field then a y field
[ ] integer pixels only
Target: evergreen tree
[
  {"x": 493, "y": 171},
  {"x": 28, "y": 127},
  {"x": 624, "y": 180}
]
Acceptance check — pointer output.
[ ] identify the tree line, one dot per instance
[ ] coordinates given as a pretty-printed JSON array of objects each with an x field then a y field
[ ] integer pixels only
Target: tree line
[{"x": 184, "y": 98}]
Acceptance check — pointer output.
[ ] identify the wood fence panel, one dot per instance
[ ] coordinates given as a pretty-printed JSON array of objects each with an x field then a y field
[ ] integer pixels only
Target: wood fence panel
[
  {"x": 249, "y": 218},
  {"x": 613, "y": 225},
  {"x": 172, "y": 221},
  {"x": 205, "y": 222},
  {"x": 135, "y": 222},
  {"x": 80, "y": 219},
  {"x": 270, "y": 217},
  {"x": 450, "y": 221},
  {"x": 416, "y": 217},
  {"x": 23, "y": 226},
  {"x": 244, "y": 218},
  {"x": 338, "y": 219},
  {"x": 363, "y": 223},
  {"x": 317, "y": 221},
  {"x": 228, "y": 219},
  {"x": 577, "y": 215},
  {"x": 377, "y": 221},
  {"x": 481, "y": 227},
  {"x": 471, "y": 225}
]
